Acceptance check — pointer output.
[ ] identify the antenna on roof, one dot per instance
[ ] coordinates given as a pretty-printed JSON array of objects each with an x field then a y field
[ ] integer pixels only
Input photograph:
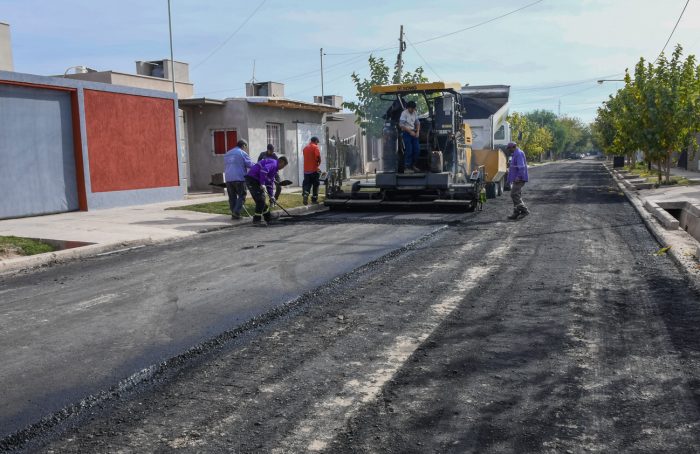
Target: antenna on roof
[{"x": 252, "y": 81}]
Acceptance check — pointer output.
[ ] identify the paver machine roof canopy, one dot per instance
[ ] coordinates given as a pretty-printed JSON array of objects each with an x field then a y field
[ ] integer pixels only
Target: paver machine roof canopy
[{"x": 444, "y": 175}]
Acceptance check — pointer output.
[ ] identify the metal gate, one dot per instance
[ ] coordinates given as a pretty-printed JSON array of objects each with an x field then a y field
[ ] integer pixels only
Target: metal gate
[
  {"x": 37, "y": 162},
  {"x": 305, "y": 131}
]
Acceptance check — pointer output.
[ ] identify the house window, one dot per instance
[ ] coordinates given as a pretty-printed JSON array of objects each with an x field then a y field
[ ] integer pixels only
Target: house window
[
  {"x": 223, "y": 140},
  {"x": 274, "y": 136}
]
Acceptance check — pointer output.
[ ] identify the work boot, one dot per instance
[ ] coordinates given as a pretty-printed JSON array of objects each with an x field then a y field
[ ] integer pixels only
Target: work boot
[
  {"x": 524, "y": 212},
  {"x": 314, "y": 200},
  {"x": 514, "y": 216},
  {"x": 236, "y": 216},
  {"x": 305, "y": 199},
  {"x": 416, "y": 169}
]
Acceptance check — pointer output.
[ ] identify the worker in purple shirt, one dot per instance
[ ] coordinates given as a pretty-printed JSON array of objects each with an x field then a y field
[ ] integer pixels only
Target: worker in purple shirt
[
  {"x": 517, "y": 177},
  {"x": 236, "y": 165},
  {"x": 261, "y": 178}
]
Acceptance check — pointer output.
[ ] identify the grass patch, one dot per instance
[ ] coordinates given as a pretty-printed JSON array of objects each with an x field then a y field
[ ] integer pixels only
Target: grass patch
[
  {"x": 286, "y": 200},
  {"x": 14, "y": 245},
  {"x": 652, "y": 176}
]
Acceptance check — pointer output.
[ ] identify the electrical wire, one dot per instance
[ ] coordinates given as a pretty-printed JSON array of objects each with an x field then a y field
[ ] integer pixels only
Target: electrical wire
[
  {"x": 672, "y": 31},
  {"x": 446, "y": 34},
  {"x": 218, "y": 48},
  {"x": 424, "y": 60},
  {"x": 479, "y": 24},
  {"x": 573, "y": 83}
]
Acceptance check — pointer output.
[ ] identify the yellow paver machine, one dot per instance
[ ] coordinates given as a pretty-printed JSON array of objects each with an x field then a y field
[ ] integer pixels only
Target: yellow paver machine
[{"x": 445, "y": 176}]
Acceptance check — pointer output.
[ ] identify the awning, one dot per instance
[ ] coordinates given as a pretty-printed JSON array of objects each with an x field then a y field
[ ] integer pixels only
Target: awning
[{"x": 200, "y": 102}]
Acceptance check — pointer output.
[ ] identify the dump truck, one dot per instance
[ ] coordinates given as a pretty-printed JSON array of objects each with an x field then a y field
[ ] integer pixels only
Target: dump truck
[
  {"x": 447, "y": 175},
  {"x": 486, "y": 112}
]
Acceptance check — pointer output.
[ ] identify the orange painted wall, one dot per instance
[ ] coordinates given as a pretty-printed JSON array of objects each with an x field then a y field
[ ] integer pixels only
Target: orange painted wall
[{"x": 132, "y": 143}]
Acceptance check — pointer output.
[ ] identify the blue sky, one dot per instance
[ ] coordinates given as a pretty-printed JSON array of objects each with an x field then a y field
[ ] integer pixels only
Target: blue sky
[{"x": 550, "y": 52}]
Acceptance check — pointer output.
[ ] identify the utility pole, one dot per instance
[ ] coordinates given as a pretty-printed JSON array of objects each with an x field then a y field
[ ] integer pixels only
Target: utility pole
[
  {"x": 399, "y": 58},
  {"x": 172, "y": 60},
  {"x": 323, "y": 99}
]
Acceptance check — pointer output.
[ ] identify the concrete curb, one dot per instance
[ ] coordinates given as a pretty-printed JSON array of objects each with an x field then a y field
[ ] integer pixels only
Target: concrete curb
[
  {"x": 686, "y": 263},
  {"x": 19, "y": 264}
]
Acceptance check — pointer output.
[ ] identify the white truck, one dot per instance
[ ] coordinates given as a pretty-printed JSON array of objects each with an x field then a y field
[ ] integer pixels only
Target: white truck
[{"x": 486, "y": 112}]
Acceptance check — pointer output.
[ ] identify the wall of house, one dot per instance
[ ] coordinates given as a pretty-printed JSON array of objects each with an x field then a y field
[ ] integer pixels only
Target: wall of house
[
  {"x": 183, "y": 90},
  {"x": 250, "y": 122},
  {"x": 131, "y": 141},
  {"x": 259, "y": 116},
  {"x": 200, "y": 123},
  {"x": 99, "y": 115}
]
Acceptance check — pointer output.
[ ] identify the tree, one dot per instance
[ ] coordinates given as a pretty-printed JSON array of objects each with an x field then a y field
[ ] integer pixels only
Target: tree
[
  {"x": 656, "y": 111},
  {"x": 533, "y": 139},
  {"x": 369, "y": 107}
]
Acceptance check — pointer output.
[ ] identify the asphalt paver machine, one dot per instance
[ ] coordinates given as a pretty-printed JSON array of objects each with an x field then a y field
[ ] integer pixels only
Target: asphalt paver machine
[{"x": 446, "y": 177}]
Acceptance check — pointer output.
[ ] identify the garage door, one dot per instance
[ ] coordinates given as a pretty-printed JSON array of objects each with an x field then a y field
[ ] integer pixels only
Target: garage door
[{"x": 38, "y": 174}]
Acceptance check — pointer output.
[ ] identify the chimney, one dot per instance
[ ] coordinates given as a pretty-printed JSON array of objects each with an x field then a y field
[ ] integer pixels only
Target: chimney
[{"x": 6, "y": 63}]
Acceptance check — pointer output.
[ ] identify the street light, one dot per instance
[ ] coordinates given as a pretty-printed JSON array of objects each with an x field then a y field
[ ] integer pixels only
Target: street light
[
  {"x": 600, "y": 82},
  {"x": 170, "y": 32}
]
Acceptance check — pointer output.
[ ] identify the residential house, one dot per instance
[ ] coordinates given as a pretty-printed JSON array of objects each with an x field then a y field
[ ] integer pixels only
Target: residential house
[{"x": 264, "y": 116}]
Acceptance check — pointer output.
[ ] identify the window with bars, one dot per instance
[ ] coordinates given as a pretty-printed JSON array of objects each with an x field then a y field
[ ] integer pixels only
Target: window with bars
[
  {"x": 274, "y": 136},
  {"x": 223, "y": 140}
]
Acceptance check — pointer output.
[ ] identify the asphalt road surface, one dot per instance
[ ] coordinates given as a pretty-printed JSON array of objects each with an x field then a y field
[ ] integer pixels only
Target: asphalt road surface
[{"x": 561, "y": 332}]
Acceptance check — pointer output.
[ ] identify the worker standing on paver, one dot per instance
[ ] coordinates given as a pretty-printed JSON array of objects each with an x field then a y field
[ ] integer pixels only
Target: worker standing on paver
[
  {"x": 410, "y": 126},
  {"x": 517, "y": 177},
  {"x": 236, "y": 165},
  {"x": 312, "y": 171},
  {"x": 261, "y": 178}
]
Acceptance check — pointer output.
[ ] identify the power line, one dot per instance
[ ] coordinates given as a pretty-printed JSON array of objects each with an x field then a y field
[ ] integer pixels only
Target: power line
[
  {"x": 446, "y": 34},
  {"x": 250, "y": 16},
  {"x": 672, "y": 31},
  {"x": 480, "y": 23},
  {"x": 424, "y": 60},
  {"x": 573, "y": 83}
]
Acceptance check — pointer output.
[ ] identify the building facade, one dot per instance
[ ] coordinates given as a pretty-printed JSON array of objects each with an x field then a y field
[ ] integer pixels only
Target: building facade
[
  {"x": 214, "y": 126},
  {"x": 73, "y": 145}
]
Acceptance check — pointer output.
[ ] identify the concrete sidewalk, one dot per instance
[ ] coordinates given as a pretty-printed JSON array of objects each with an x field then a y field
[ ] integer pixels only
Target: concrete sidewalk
[{"x": 115, "y": 229}]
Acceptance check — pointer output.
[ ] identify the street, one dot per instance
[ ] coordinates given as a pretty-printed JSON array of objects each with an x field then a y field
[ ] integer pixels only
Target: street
[{"x": 403, "y": 332}]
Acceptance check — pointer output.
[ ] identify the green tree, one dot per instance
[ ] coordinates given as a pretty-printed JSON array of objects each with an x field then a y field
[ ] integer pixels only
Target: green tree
[
  {"x": 369, "y": 107},
  {"x": 533, "y": 139},
  {"x": 656, "y": 111}
]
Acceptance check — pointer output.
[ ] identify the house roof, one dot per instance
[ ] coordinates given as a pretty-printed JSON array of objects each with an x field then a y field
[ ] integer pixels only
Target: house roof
[
  {"x": 286, "y": 103},
  {"x": 201, "y": 102}
]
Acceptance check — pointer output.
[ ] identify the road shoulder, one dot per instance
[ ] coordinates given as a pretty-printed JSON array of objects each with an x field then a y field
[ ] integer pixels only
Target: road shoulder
[{"x": 683, "y": 248}]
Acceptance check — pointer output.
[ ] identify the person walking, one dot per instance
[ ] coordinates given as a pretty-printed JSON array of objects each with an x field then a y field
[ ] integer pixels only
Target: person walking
[
  {"x": 410, "y": 126},
  {"x": 260, "y": 179},
  {"x": 236, "y": 165},
  {"x": 517, "y": 177},
  {"x": 312, "y": 171}
]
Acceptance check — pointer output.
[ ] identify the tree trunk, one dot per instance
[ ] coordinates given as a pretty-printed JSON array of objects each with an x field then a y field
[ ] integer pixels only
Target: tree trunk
[
  {"x": 668, "y": 168},
  {"x": 659, "y": 169}
]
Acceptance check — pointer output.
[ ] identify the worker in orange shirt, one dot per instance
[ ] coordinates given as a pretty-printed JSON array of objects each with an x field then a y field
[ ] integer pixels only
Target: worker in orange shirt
[{"x": 312, "y": 171}]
